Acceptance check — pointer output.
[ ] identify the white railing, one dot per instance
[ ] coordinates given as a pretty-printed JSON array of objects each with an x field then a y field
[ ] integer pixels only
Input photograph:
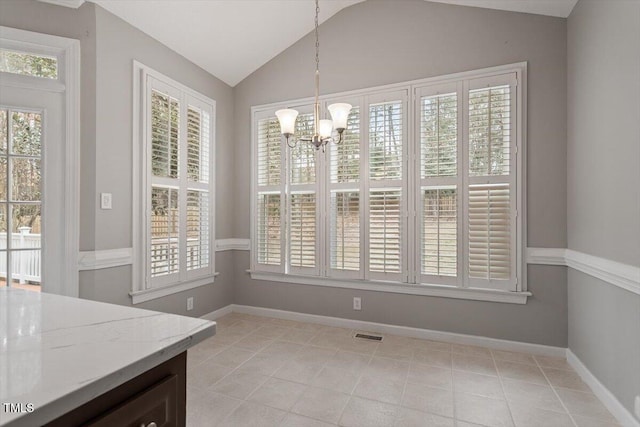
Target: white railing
[{"x": 25, "y": 265}]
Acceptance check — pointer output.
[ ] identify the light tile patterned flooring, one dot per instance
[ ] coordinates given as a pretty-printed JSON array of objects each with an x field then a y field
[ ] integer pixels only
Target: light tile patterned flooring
[{"x": 260, "y": 371}]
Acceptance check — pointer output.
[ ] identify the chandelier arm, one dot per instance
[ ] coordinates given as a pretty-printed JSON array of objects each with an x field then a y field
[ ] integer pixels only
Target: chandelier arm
[{"x": 295, "y": 142}]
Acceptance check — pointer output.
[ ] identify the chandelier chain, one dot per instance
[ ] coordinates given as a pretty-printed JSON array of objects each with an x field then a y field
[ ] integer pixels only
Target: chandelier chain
[{"x": 317, "y": 40}]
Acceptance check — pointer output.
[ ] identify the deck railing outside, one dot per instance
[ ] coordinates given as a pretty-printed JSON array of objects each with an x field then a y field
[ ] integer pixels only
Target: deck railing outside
[{"x": 25, "y": 264}]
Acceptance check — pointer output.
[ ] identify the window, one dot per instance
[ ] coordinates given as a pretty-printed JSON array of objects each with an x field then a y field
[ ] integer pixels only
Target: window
[
  {"x": 415, "y": 200},
  {"x": 28, "y": 64},
  {"x": 177, "y": 147}
]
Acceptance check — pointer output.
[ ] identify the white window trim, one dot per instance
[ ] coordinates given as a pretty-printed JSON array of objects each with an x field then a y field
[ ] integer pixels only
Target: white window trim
[
  {"x": 519, "y": 296},
  {"x": 141, "y": 289},
  {"x": 68, "y": 53}
]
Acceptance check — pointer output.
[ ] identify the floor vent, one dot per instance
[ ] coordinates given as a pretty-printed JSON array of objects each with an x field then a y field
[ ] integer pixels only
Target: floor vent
[{"x": 369, "y": 337}]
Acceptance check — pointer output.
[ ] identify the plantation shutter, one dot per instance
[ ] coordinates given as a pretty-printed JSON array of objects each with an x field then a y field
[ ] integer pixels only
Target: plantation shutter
[
  {"x": 344, "y": 201},
  {"x": 302, "y": 216},
  {"x": 386, "y": 187},
  {"x": 491, "y": 198},
  {"x": 269, "y": 224},
  {"x": 198, "y": 203},
  {"x": 164, "y": 225},
  {"x": 180, "y": 227},
  {"x": 437, "y": 208}
]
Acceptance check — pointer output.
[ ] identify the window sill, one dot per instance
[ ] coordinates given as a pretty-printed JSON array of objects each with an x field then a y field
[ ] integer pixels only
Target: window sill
[
  {"x": 400, "y": 288},
  {"x": 138, "y": 297}
]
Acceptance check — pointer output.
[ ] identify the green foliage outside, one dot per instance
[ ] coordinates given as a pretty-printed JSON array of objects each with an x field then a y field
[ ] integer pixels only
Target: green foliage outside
[{"x": 29, "y": 65}]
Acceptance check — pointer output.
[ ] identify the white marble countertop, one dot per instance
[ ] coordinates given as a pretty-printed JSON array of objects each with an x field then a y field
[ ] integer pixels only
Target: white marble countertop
[{"x": 58, "y": 353}]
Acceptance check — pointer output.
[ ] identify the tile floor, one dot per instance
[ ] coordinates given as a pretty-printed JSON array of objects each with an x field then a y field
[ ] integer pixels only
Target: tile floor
[{"x": 260, "y": 371}]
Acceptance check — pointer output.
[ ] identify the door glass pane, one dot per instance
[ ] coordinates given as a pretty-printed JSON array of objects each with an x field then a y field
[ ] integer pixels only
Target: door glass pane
[
  {"x": 25, "y": 269},
  {"x": 3, "y": 267},
  {"x": 4, "y": 131},
  {"x": 21, "y": 176},
  {"x": 26, "y": 219},
  {"x": 25, "y": 175},
  {"x": 3, "y": 178},
  {"x": 3, "y": 226},
  {"x": 26, "y": 133}
]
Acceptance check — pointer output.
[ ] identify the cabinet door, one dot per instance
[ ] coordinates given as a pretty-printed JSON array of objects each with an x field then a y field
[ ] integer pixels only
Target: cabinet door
[{"x": 153, "y": 407}]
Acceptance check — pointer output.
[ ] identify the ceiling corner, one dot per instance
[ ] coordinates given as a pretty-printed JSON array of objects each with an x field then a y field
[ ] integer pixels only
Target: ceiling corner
[{"x": 73, "y": 4}]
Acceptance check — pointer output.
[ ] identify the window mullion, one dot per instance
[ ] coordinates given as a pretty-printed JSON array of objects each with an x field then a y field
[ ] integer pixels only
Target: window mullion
[
  {"x": 364, "y": 188},
  {"x": 463, "y": 175},
  {"x": 182, "y": 191}
]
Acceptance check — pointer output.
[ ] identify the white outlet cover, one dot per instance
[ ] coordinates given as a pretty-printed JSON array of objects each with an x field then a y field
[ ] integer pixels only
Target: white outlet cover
[
  {"x": 189, "y": 303},
  {"x": 357, "y": 303}
]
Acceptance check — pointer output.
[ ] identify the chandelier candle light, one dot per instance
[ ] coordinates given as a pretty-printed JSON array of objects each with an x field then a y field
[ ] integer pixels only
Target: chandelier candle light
[{"x": 322, "y": 129}]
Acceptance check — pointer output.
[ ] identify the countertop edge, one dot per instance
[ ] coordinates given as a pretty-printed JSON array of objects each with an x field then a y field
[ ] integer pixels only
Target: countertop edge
[{"x": 99, "y": 386}]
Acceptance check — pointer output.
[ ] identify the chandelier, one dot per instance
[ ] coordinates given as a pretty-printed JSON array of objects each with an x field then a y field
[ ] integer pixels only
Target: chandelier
[{"x": 322, "y": 129}]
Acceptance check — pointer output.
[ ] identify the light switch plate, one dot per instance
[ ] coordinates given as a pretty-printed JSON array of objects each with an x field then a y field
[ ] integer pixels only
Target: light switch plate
[{"x": 105, "y": 200}]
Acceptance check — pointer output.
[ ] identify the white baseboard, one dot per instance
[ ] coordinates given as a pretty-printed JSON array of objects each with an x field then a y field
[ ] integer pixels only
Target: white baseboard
[
  {"x": 614, "y": 406},
  {"x": 407, "y": 331},
  {"x": 218, "y": 313}
]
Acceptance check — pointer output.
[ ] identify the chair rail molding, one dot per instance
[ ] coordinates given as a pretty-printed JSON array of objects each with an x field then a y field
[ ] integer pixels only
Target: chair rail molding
[
  {"x": 624, "y": 276},
  {"x": 233, "y": 245},
  {"x": 106, "y": 258}
]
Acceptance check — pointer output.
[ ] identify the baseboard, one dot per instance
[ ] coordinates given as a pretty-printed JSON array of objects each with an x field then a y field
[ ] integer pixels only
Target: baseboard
[
  {"x": 406, "y": 331},
  {"x": 218, "y": 313},
  {"x": 614, "y": 406}
]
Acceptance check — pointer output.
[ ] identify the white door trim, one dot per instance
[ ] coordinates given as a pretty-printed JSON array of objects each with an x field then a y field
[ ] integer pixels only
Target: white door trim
[{"x": 68, "y": 52}]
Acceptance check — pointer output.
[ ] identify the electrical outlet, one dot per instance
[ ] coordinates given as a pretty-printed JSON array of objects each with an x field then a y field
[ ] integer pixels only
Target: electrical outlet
[
  {"x": 189, "y": 303},
  {"x": 105, "y": 200},
  {"x": 637, "y": 406},
  {"x": 357, "y": 303}
]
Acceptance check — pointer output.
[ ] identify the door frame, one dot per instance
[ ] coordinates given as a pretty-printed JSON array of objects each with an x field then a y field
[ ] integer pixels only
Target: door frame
[{"x": 68, "y": 82}]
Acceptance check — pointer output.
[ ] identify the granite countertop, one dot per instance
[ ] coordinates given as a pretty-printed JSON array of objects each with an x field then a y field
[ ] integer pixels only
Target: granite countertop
[{"x": 57, "y": 353}]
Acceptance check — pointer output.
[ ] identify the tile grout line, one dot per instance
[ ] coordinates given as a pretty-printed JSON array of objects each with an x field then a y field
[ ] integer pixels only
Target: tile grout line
[
  {"x": 453, "y": 391},
  {"x": 353, "y": 390},
  {"x": 506, "y": 401},
  {"x": 309, "y": 385},
  {"x": 556, "y": 393}
]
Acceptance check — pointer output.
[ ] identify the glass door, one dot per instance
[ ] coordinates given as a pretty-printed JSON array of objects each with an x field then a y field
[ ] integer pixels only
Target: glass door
[{"x": 21, "y": 222}]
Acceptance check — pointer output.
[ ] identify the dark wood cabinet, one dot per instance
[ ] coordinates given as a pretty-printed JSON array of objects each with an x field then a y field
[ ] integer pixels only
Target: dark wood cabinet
[{"x": 156, "y": 398}]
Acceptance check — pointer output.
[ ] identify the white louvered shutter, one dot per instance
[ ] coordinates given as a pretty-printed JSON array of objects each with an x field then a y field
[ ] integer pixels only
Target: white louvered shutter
[
  {"x": 164, "y": 264},
  {"x": 491, "y": 199},
  {"x": 302, "y": 206},
  {"x": 180, "y": 227},
  {"x": 198, "y": 218},
  {"x": 386, "y": 238},
  {"x": 344, "y": 201},
  {"x": 269, "y": 224},
  {"x": 437, "y": 207}
]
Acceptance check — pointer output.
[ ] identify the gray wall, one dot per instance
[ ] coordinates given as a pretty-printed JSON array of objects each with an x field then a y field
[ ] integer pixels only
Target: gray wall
[
  {"x": 381, "y": 42},
  {"x": 108, "y": 47},
  {"x": 118, "y": 44},
  {"x": 603, "y": 177}
]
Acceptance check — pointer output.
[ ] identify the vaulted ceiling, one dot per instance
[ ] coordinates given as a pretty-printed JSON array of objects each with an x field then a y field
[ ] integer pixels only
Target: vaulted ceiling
[{"x": 232, "y": 38}]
